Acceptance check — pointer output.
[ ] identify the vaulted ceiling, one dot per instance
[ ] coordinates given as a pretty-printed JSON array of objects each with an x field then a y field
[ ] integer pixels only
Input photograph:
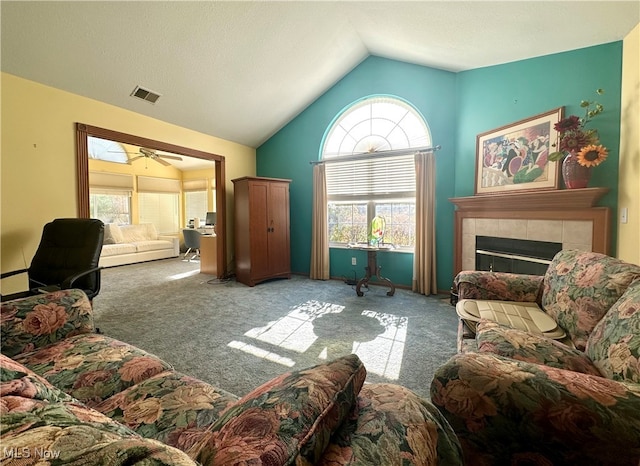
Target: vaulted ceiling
[{"x": 241, "y": 70}]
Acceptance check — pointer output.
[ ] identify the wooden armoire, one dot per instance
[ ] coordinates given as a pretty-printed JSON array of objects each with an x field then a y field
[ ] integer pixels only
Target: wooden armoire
[{"x": 261, "y": 213}]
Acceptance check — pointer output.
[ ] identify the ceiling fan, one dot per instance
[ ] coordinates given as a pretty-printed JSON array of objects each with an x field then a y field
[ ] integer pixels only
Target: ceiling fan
[
  {"x": 145, "y": 153},
  {"x": 153, "y": 155}
]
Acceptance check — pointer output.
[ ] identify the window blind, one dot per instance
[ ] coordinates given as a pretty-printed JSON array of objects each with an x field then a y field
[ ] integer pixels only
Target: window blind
[
  {"x": 371, "y": 177},
  {"x": 161, "y": 209},
  {"x": 194, "y": 185},
  {"x": 195, "y": 204},
  {"x": 110, "y": 181},
  {"x": 109, "y": 191},
  {"x": 148, "y": 184}
]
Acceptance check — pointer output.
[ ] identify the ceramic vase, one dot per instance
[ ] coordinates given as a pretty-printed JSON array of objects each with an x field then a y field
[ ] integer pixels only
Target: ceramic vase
[{"x": 574, "y": 174}]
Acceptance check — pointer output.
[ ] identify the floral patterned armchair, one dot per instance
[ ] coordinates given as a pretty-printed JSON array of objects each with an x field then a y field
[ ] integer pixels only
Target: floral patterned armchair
[{"x": 525, "y": 399}]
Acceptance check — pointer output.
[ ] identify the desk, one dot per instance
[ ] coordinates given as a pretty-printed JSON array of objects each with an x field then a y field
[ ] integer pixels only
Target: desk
[
  {"x": 209, "y": 254},
  {"x": 372, "y": 270}
]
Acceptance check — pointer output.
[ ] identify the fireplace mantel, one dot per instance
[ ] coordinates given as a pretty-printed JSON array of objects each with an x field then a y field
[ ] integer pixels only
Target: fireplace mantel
[
  {"x": 529, "y": 215},
  {"x": 564, "y": 199}
]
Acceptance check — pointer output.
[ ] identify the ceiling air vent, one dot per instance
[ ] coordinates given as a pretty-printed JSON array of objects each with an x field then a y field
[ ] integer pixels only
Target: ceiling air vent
[{"x": 145, "y": 94}]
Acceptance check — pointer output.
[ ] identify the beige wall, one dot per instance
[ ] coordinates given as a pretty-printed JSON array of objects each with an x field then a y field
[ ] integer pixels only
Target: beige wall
[
  {"x": 38, "y": 161},
  {"x": 629, "y": 187}
]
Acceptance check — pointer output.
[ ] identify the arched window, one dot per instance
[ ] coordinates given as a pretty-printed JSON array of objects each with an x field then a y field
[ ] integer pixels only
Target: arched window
[
  {"x": 109, "y": 151},
  {"x": 109, "y": 193},
  {"x": 362, "y": 188}
]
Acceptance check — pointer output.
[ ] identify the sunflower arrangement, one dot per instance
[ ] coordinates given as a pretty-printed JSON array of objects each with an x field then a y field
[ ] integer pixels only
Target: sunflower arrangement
[{"x": 575, "y": 137}]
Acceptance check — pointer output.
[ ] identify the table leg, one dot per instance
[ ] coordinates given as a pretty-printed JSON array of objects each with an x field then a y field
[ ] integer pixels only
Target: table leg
[
  {"x": 372, "y": 265},
  {"x": 363, "y": 281}
]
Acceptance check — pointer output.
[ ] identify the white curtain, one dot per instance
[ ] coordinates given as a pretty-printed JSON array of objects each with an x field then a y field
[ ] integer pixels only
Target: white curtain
[
  {"x": 424, "y": 259},
  {"x": 319, "y": 226}
]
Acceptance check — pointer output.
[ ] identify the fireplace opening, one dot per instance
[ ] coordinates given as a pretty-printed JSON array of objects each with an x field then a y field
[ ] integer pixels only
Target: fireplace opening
[{"x": 514, "y": 255}]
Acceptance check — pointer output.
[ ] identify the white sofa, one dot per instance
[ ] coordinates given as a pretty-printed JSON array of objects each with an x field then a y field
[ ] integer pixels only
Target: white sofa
[{"x": 128, "y": 244}]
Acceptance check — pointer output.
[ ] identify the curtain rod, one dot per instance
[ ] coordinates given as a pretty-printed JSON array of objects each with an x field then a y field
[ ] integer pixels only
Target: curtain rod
[{"x": 382, "y": 153}]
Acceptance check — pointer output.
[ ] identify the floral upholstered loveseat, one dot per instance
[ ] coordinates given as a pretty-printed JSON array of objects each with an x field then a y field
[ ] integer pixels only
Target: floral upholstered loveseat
[
  {"x": 72, "y": 396},
  {"x": 525, "y": 399}
]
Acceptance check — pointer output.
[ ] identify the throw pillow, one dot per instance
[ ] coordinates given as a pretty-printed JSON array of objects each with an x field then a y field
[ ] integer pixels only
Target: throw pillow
[
  {"x": 152, "y": 233},
  {"x": 112, "y": 234},
  {"x": 614, "y": 345},
  {"x": 288, "y": 419}
]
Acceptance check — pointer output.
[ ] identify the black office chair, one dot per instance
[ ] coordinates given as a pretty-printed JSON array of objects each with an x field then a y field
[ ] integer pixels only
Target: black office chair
[
  {"x": 192, "y": 242},
  {"x": 67, "y": 257}
]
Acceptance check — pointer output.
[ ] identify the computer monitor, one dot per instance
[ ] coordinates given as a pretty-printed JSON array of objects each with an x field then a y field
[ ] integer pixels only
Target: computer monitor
[{"x": 211, "y": 218}]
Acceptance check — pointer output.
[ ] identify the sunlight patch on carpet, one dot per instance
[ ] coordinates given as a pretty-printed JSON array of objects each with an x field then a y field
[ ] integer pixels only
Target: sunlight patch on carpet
[
  {"x": 383, "y": 355},
  {"x": 295, "y": 331},
  {"x": 180, "y": 276},
  {"x": 323, "y": 329},
  {"x": 262, "y": 354}
]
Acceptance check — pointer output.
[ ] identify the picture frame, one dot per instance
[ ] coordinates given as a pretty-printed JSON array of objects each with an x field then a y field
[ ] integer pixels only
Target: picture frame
[{"x": 514, "y": 157}]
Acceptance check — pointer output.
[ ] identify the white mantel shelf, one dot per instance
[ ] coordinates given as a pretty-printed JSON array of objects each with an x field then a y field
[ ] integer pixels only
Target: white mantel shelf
[{"x": 558, "y": 199}]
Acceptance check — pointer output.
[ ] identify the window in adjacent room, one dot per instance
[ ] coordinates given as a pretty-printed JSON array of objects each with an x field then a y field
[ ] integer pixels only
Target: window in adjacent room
[
  {"x": 158, "y": 200},
  {"x": 195, "y": 200},
  {"x": 195, "y": 203},
  {"x": 161, "y": 209},
  {"x": 358, "y": 190},
  {"x": 110, "y": 206},
  {"x": 110, "y": 197}
]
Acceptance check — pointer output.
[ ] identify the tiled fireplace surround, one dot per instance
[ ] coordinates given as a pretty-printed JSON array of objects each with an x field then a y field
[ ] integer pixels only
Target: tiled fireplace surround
[{"x": 566, "y": 216}]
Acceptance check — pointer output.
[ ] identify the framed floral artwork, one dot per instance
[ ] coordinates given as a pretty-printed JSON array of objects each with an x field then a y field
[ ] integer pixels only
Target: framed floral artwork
[{"x": 515, "y": 157}]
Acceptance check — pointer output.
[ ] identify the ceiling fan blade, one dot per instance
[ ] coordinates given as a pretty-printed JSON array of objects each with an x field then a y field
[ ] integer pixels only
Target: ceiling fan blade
[
  {"x": 172, "y": 157},
  {"x": 135, "y": 158},
  {"x": 163, "y": 162}
]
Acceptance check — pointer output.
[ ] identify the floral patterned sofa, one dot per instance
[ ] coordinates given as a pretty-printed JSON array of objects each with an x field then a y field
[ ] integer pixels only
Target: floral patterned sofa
[
  {"x": 525, "y": 399},
  {"x": 72, "y": 396}
]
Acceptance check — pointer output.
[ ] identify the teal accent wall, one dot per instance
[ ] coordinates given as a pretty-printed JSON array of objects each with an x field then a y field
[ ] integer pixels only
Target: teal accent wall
[
  {"x": 457, "y": 107},
  {"x": 498, "y": 95},
  {"x": 287, "y": 155}
]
